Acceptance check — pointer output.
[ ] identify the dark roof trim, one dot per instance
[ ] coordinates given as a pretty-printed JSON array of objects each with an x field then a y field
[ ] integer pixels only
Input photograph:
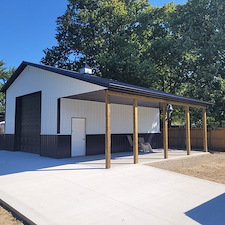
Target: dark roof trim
[
  {"x": 68, "y": 73},
  {"x": 108, "y": 84},
  {"x": 157, "y": 94}
]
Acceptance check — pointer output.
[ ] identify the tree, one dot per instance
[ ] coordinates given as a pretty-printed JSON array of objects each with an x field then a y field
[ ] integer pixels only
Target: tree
[
  {"x": 4, "y": 76},
  {"x": 200, "y": 30},
  {"x": 114, "y": 36},
  {"x": 175, "y": 48}
]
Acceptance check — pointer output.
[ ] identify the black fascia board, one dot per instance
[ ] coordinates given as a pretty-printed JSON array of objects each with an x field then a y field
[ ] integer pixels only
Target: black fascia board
[
  {"x": 107, "y": 83},
  {"x": 13, "y": 77},
  {"x": 135, "y": 90},
  {"x": 73, "y": 74}
]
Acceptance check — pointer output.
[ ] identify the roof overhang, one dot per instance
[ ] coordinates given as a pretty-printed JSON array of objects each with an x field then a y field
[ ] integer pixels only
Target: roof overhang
[
  {"x": 125, "y": 98},
  {"x": 99, "y": 96},
  {"x": 121, "y": 93},
  {"x": 156, "y": 96}
]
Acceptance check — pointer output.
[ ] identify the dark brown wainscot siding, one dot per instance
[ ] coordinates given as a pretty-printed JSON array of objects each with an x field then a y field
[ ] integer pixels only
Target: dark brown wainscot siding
[
  {"x": 59, "y": 146},
  {"x": 96, "y": 143},
  {"x": 56, "y": 146}
]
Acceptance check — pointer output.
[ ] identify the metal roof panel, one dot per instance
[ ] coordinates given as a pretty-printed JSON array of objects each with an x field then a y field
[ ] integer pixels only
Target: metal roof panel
[{"x": 108, "y": 83}]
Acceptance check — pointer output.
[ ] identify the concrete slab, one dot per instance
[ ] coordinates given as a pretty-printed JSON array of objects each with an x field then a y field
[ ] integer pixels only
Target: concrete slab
[{"x": 78, "y": 191}]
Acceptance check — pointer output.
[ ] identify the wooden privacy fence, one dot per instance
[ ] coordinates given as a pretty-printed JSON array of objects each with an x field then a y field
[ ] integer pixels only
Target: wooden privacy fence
[{"x": 216, "y": 138}]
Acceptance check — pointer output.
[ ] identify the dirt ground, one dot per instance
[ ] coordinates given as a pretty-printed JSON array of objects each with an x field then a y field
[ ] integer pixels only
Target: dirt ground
[
  {"x": 209, "y": 166},
  {"x": 6, "y": 218}
]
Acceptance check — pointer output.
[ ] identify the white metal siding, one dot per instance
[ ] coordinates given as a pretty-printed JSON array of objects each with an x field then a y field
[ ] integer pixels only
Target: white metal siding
[
  {"x": 52, "y": 85},
  {"x": 121, "y": 117},
  {"x": 92, "y": 111}
]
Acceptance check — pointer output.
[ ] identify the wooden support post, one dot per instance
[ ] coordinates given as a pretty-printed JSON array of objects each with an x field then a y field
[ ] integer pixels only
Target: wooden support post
[
  {"x": 188, "y": 131},
  {"x": 165, "y": 131},
  {"x": 135, "y": 130},
  {"x": 107, "y": 130},
  {"x": 205, "y": 140}
]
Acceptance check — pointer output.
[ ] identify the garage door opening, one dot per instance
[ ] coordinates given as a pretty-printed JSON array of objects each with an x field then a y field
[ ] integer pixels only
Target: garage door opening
[{"x": 28, "y": 123}]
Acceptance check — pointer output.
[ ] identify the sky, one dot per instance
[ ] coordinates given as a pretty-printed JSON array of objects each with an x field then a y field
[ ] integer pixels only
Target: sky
[{"x": 28, "y": 27}]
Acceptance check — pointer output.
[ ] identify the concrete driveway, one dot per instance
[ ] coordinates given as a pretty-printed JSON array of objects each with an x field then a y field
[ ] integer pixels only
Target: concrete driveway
[{"x": 79, "y": 192}]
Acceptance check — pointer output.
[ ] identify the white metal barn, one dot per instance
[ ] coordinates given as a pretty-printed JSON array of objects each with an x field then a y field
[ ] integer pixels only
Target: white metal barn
[{"x": 59, "y": 113}]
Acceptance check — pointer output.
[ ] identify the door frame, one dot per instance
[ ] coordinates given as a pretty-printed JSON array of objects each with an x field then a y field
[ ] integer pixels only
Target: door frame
[{"x": 85, "y": 119}]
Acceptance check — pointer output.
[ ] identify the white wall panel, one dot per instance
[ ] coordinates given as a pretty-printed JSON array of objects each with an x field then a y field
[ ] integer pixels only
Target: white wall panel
[
  {"x": 121, "y": 117},
  {"x": 148, "y": 120},
  {"x": 52, "y": 85},
  {"x": 92, "y": 111}
]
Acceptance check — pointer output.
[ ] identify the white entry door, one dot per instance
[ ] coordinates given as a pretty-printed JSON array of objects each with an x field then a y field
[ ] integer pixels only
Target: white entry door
[{"x": 78, "y": 137}]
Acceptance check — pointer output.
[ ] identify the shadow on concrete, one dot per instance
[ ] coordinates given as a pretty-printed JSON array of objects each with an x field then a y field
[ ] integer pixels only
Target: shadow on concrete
[
  {"x": 210, "y": 213},
  {"x": 16, "y": 162}
]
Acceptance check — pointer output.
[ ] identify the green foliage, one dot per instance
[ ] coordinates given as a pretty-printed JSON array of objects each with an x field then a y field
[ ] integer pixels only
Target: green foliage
[
  {"x": 201, "y": 31},
  {"x": 113, "y": 36},
  {"x": 175, "y": 48},
  {"x": 4, "y": 76}
]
